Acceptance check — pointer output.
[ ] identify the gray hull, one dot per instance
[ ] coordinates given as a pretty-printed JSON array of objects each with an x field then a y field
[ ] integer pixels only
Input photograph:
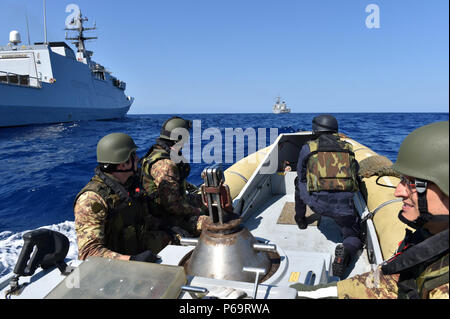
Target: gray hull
[
  {"x": 27, "y": 115},
  {"x": 64, "y": 90}
]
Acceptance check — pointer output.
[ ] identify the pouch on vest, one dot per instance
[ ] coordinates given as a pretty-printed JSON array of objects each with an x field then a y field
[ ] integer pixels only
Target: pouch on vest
[{"x": 130, "y": 241}]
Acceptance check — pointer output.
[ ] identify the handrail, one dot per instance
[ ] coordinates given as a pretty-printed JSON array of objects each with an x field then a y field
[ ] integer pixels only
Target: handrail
[{"x": 15, "y": 79}]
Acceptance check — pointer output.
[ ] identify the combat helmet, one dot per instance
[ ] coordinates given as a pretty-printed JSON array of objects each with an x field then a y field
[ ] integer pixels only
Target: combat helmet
[
  {"x": 324, "y": 123},
  {"x": 115, "y": 148},
  {"x": 172, "y": 124},
  {"x": 424, "y": 156}
]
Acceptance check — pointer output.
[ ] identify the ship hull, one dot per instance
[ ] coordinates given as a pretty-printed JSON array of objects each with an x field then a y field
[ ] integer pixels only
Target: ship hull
[
  {"x": 25, "y": 106},
  {"x": 73, "y": 94},
  {"x": 27, "y": 115},
  {"x": 281, "y": 112}
]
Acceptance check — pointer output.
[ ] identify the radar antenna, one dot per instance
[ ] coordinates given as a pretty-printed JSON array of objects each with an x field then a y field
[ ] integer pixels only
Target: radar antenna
[{"x": 77, "y": 22}]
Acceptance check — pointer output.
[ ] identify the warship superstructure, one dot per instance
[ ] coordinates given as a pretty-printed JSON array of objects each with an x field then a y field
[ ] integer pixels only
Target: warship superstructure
[
  {"x": 49, "y": 83},
  {"x": 280, "y": 107}
]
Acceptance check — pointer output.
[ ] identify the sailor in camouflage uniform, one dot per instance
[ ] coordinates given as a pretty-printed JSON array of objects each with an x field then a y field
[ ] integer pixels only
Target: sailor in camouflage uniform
[
  {"x": 419, "y": 268},
  {"x": 112, "y": 217},
  {"x": 178, "y": 202},
  {"x": 326, "y": 182}
]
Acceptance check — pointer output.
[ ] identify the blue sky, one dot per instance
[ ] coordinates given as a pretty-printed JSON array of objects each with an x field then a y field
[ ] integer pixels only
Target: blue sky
[{"x": 216, "y": 56}]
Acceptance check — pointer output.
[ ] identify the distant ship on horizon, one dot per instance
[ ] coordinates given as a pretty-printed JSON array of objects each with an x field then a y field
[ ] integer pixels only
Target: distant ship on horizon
[
  {"x": 280, "y": 107},
  {"x": 49, "y": 83}
]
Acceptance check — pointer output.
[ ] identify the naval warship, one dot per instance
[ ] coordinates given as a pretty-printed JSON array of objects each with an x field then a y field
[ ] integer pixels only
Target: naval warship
[
  {"x": 280, "y": 107},
  {"x": 49, "y": 83}
]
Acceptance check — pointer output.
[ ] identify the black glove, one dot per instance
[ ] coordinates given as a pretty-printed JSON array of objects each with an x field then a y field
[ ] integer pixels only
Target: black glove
[{"x": 146, "y": 256}]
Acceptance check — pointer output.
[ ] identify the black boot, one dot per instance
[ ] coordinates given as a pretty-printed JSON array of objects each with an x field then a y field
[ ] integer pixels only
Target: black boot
[
  {"x": 301, "y": 222},
  {"x": 341, "y": 260}
]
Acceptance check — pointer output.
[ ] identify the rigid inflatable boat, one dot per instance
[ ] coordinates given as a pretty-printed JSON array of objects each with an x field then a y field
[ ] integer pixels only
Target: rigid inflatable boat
[{"x": 257, "y": 254}]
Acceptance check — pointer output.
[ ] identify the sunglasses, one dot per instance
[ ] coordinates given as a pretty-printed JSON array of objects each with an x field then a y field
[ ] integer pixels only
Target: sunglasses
[{"x": 414, "y": 184}]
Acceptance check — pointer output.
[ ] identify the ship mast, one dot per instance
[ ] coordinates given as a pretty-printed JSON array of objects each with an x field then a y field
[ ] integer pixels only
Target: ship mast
[
  {"x": 276, "y": 107},
  {"x": 45, "y": 24},
  {"x": 79, "y": 40}
]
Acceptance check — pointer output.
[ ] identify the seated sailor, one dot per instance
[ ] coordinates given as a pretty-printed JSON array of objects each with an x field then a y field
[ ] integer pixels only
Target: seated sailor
[{"x": 112, "y": 216}]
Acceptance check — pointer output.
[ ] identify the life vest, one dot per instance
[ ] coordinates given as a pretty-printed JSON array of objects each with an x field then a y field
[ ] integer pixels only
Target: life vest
[
  {"x": 423, "y": 264},
  {"x": 129, "y": 225},
  {"x": 330, "y": 165}
]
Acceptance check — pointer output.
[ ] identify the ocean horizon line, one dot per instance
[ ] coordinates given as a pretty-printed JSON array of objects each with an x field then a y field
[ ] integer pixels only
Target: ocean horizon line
[{"x": 415, "y": 112}]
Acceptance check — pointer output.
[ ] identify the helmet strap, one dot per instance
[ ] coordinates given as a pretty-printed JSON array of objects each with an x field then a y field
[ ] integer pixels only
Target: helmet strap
[
  {"x": 425, "y": 216},
  {"x": 165, "y": 132},
  {"x": 421, "y": 188},
  {"x": 165, "y": 144},
  {"x": 126, "y": 170},
  {"x": 132, "y": 169}
]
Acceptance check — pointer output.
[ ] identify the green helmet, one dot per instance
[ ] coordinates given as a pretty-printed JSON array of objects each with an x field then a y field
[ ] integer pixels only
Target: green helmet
[
  {"x": 115, "y": 148},
  {"x": 424, "y": 155},
  {"x": 172, "y": 124}
]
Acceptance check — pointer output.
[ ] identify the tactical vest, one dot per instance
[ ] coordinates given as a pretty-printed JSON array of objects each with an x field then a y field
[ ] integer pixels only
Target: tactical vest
[
  {"x": 155, "y": 154},
  {"x": 128, "y": 222},
  {"x": 422, "y": 266},
  {"x": 330, "y": 165},
  {"x": 434, "y": 276}
]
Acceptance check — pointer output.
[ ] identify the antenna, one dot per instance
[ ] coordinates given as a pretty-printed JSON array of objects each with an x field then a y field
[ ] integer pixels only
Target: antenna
[
  {"x": 45, "y": 26},
  {"x": 80, "y": 38},
  {"x": 28, "y": 29}
]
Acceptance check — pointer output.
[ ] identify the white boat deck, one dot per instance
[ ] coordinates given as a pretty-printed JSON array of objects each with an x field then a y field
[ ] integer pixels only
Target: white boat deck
[{"x": 321, "y": 239}]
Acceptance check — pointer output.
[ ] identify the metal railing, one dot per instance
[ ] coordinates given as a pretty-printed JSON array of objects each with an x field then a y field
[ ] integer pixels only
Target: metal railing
[{"x": 20, "y": 79}]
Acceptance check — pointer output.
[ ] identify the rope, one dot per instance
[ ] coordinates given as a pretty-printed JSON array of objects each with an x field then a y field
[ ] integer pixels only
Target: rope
[{"x": 376, "y": 166}]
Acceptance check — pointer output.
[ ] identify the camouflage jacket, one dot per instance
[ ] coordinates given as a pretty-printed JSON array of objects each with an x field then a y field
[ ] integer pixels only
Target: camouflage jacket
[
  {"x": 162, "y": 179},
  {"x": 376, "y": 285},
  {"x": 419, "y": 269},
  {"x": 90, "y": 226},
  {"x": 330, "y": 165}
]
